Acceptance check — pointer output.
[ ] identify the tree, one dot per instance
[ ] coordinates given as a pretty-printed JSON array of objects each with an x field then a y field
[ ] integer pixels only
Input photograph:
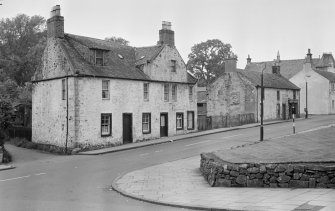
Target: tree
[
  {"x": 22, "y": 40},
  {"x": 119, "y": 40},
  {"x": 206, "y": 60}
]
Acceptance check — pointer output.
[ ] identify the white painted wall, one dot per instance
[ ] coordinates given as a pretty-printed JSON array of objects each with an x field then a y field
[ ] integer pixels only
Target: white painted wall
[
  {"x": 127, "y": 97},
  {"x": 317, "y": 90}
]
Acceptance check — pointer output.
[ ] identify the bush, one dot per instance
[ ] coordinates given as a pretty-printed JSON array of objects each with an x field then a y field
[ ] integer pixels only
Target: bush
[{"x": 7, "y": 158}]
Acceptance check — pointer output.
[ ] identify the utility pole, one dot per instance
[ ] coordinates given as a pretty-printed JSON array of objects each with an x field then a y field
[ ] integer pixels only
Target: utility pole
[{"x": 262, "y": 104}]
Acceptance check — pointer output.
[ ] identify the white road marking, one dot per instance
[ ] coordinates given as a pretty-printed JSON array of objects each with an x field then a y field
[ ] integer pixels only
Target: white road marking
[
  {"x": 201, "y": 142},
  {"x": 198, "y": 143},
  {"x": 158, "y": 151},
  {"x": 144, "y": 154},
  {"x": 14, "y": 178},
  {"x": 40, "y": 174}
]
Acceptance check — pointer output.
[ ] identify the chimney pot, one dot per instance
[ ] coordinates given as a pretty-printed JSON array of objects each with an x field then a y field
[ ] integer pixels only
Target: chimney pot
[
  {"x": 55, "y": 23},
  {"x": 166, "y": 35},
  {"x": 248, "y": 59}
]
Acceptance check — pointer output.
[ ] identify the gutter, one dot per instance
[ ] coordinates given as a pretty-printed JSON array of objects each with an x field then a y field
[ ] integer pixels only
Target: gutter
[{"x": 94, "y": 76}]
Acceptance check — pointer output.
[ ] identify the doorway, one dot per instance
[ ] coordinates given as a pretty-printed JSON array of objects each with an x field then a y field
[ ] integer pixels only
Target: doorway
[
  {"x": 284, "y": 111},
  {"x": 164, "y": 124},
  {"x": 127, "y": 128}
]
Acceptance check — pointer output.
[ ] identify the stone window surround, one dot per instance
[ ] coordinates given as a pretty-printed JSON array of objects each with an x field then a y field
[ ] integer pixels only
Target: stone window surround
[
  {"x": 106, "y": 123},
  {"x": 146, "y": 120},
  {"x": 179, "y": 121}
]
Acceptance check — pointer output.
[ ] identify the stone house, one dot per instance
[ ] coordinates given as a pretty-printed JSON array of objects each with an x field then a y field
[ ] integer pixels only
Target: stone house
[
  {"x": 92, "y": 92},
  {"x": 237, "y": 94},
  {"x": 319, "y": 73}
]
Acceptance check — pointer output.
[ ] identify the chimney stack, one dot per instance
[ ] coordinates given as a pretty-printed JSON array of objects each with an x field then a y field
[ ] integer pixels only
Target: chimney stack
[
  {"x": 309, "y": 56},
  {"x": 248, "y": 59},
  {"x": 55, "y": 23},
  {"x": 166, "y": 35},
  {"x": 230, "y": 64}
]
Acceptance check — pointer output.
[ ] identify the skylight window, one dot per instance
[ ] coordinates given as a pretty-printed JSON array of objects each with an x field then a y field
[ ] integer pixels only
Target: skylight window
[
  {"x": 142, "y": 57},
  {"x": 120, "y": 56}
]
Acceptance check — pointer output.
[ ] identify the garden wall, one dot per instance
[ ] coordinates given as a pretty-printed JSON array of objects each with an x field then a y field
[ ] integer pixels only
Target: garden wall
[{"x": 219, "y": 173}]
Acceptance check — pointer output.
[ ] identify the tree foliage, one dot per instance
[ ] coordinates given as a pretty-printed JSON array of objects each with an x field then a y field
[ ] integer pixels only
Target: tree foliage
[
  {"x": 119, "y": 40},
  {"x": 206, "y": 60},
  {"x": 22, "y": 40}
]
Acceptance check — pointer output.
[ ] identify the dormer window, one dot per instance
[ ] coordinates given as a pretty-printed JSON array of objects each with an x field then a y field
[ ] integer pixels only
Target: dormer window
[{"x": 99, "y": 57}]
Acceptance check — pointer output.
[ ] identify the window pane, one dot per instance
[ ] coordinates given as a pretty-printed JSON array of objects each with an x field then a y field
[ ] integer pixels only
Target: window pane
[
  {"x": 146, "y": 122},
  {"x": 105, "y": 124},
  {"x": 166, "y": 92},
  {"x": 179, "y": 123},
  {"x": 105, "y": 89},
  {"x": 174, "y": 92},
  {"x": 146, "y": 91}
]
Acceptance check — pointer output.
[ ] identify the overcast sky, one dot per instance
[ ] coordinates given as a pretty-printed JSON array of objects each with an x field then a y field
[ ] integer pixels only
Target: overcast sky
[{"x": 256, "y": 27}]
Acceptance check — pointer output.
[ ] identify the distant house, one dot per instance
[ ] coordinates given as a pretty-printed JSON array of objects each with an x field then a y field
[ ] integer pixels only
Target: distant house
[
  {"x": 319, "y": 83},
  {"x": 236, "y": 94},
  {"x": 317, "y": 72},
  {"x": 93, "y": 92}
]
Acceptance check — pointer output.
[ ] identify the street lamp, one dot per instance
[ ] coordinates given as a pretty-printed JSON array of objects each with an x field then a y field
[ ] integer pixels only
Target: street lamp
[
  {"x": 262, "y": 106},
  {"x": 306, "y": 109}
]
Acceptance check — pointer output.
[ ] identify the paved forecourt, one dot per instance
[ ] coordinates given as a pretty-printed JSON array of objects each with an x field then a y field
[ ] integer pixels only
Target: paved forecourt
[{"x": 180, "y": 183}]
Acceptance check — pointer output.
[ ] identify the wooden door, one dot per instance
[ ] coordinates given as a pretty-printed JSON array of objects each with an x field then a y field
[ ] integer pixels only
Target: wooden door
[
  {"x": 127, "y": 128},
  {"x": 164, "y": 124}
]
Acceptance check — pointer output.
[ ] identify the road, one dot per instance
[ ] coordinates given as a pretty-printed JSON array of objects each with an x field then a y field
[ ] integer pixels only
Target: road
[{"x": 83, "y": 182}]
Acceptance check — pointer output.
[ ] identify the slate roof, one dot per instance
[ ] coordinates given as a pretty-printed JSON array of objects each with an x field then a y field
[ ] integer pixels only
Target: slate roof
[
  {"x": 145, "y": 54},
  {"x": 329, "y": 75},
  {"x": 269, "y": 80},
  {"x": 118, "y": 68},
  {"x": 327, "y": 60},
  {"x": 288, "y": 68},
  {"x": 123, "y": 68}
]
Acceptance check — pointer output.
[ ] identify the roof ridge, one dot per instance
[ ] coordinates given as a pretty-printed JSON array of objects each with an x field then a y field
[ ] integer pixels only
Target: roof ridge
[
  {"x": 151, "y": 46},
  {"x": 284, "y": 60}
]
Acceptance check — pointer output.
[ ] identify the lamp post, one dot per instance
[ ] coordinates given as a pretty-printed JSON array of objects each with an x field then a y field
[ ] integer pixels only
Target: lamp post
[
  {"x": 262, "y": 105},
  {"x": 306, "y": 109}
]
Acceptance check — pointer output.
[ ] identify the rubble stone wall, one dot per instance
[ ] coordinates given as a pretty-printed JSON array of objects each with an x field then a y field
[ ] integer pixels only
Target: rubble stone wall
[{"x": 219, "y": 173}]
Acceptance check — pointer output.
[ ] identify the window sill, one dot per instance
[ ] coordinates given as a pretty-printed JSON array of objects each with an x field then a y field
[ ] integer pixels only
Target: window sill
[
  {"x": 149, "y": 132},
  {"x": 105, "y": 98},
  {"x": 106, "y": 135},
  {"x": 180, "y": 129}
]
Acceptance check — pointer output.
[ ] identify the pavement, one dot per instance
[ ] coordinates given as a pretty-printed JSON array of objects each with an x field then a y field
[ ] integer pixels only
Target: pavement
[
  {"x": 180, "y": 183},
  {"x": 176, "y": 138},
  {"x": 6, "y": 167}
]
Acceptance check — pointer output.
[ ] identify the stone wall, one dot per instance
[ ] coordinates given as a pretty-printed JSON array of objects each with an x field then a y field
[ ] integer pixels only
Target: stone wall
[{"x": 219, "y": 173}]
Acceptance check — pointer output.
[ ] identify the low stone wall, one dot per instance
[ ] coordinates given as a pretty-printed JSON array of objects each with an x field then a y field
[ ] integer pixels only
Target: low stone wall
[{"x": 219, "y": 173}]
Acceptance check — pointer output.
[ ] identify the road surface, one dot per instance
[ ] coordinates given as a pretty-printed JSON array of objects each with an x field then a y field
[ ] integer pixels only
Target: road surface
[{"x": 82, "y": 182}]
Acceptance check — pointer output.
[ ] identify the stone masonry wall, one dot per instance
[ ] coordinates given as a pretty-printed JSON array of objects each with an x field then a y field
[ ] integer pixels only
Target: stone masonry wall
[
  {"x": 268, "y": 175},
  {"x": 160, "y": 68},
  {"x": 126, "y": 96}
]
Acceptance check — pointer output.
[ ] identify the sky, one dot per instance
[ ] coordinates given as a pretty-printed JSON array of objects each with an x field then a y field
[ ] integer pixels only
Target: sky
[{"x": 259, "y": 28}]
